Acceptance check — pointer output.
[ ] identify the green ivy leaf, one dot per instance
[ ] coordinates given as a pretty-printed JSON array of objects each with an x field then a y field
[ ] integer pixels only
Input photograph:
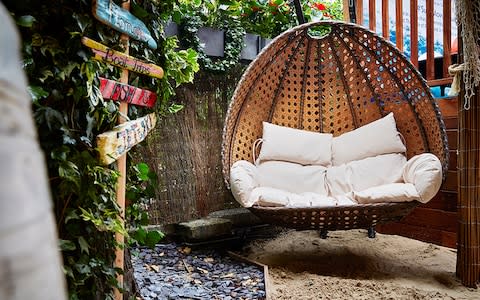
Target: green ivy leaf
[
  {"x": 143, "y": 171},
  {"x": 37, "y": 92},
  {"x": 153, "y": 237},
  {"x": 140, "y": 236},
  {"x": 174, "y": 108},
  {"x": 138, "y": 11},
  {"x": 25, "y": 21},
  {"x": 83, "y": 245},
  {"x": 66, "y": 245}
]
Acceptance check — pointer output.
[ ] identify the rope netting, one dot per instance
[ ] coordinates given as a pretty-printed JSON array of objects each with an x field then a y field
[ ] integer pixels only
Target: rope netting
[{"x": 467, "y": 18}]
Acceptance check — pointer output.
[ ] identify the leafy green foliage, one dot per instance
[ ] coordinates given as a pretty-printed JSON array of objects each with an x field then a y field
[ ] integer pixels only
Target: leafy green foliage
[
  {"x": 69, "y": 113},
  {"x": 269, "y": 18},
  {"x": 193, "y": 14}
]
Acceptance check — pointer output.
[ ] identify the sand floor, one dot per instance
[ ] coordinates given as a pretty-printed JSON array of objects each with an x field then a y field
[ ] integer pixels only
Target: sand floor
[{"x": 348, "y": 265}]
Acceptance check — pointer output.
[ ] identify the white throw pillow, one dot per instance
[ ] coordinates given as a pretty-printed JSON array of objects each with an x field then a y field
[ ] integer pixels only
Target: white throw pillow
[
  {"x": 292, "y": 177},
  {"x": 272, "y": 197},
  {"x": 424, "y": 171},
  {"x": 376, "y": 138},
  {"x": 295, "y": 145},
  {"x": 394, "y": 192},
  {"x": 243, "y": 179},
  {"x": 365, "y": 173}
]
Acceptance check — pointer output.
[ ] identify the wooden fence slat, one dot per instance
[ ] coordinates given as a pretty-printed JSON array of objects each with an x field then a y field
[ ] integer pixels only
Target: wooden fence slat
[
  {"x": 430, "y": 235},
  {"x": 385, "y": 20},
  {"x": 432, "y": 218},
  {"x": 430, "y": 40},
  {"x": 414, "y": 32},
  {"x": 446, "y": 201},
  {"x": 436, "y": 82},
  {"x": 450, "y": 183},
  {"x": 372, "y": 15},
  {"x": 359, "y": 11},
  {"x": 447, "y": 36},
  {"x": 399, "y": 24}
]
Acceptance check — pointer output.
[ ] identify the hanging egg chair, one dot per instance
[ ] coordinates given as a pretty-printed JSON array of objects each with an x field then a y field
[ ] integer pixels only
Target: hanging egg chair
[{"x": 332, "y": 84}]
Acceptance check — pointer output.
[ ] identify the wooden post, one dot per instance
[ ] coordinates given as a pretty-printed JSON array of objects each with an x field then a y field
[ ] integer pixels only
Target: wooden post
[
  {"x": 346, "y": 12},
  {"x": 122, "y": 169}
]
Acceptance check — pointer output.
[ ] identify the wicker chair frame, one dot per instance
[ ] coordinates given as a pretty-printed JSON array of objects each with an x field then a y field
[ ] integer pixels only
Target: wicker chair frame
[{"x": 332, "y": 84}]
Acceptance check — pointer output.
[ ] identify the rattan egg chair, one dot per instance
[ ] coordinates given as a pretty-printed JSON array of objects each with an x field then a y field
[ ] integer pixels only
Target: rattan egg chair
[{"x": 332, "y": 84}]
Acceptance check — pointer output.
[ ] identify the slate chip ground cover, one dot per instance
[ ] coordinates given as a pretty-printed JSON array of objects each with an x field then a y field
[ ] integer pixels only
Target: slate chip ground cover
[{"x": 171, "y": 271}]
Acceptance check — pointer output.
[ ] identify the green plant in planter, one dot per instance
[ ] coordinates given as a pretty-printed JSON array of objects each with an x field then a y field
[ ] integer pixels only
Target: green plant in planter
[
  {"x": 269, "y": 18},
  {"x": 192, "y": 15}
]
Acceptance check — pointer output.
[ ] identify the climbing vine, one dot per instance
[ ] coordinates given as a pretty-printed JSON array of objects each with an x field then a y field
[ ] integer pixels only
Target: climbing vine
[{"x": 69, "y": 114}]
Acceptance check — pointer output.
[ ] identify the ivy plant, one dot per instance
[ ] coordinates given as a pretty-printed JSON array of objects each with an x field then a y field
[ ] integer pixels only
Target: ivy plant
[{"x": 69, "y": 113}]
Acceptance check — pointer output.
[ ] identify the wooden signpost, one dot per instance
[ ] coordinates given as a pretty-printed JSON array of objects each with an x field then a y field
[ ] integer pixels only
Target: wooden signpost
[
  {"x": 113, "y": 144},
  {"x": 117, "y": 91},
  {"x": 122, "y": 20},
  {"x": 122, "y": 60}
]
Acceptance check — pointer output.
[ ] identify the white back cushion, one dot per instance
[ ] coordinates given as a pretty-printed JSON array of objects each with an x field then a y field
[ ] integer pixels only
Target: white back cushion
[
  {"x": 295, "y": 145},
  {"x": 376, "y": 138},
  {"x": 292, "y": 177},
  {"x": 365, "y": 173}
]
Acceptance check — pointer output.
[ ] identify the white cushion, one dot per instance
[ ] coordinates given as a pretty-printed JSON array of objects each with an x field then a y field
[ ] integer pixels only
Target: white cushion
[
  {"x": 394, "y": 192},
  {"x": 243, "y": 179},
  {"x": 365, "y": 173},
  {"x": 424, "y": 171},
  {"x": 292, "y": 177},
  {"x": 295, "y": 145},
  {"x": 272, "y": 197},
  {"x": 376, "y": 138}
]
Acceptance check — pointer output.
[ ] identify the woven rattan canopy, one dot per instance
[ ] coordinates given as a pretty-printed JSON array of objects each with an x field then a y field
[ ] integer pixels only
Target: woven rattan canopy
[{"x": 332, "y": 84}]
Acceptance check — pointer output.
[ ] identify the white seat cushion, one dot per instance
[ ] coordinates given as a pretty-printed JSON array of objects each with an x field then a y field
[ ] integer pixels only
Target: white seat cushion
[
  {"x": 292, "y": 177},
  {"x": 271, "y": 197},
  {"x": 376, "y": 138},
  {"x": 295, "y": 145},
  {"x": 393, "y": 192},
  {"x": 362, "y": 174}
]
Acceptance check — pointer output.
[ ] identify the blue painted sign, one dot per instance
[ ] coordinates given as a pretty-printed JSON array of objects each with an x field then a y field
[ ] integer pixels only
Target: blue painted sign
[{"x": 122, "y": 20}]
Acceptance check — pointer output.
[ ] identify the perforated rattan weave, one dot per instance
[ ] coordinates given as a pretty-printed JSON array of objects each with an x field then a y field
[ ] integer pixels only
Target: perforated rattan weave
[{"x": 332, "y": 84}]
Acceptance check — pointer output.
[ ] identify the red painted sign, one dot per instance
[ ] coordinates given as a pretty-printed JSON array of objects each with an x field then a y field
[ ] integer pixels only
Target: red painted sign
[{"x": 114, "y": 90}]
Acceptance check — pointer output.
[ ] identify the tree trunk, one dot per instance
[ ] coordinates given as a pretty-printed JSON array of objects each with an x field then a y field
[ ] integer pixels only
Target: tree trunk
[{"x": 30, "y": 266}]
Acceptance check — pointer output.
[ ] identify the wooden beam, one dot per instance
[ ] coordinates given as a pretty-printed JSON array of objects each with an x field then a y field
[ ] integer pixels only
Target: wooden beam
[
  {"x": 430, "y": 40},
  {"x": 359, "y": 11},
  {"x": 447, "y": 36},
  {"x": 429, "y": 235},
  {"x": 437, "y": 82},
  {"x": 372, "y": 15},
  {"x": 414, "y": 32},
  {"x": 346, "y": 12},
  {"x": 122, "y": 178},
  {"x": 399, "y": 24},
  {"x": 385, "y": 20}
]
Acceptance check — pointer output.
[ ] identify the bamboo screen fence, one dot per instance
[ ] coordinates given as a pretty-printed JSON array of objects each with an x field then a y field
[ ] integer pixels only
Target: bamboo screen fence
[
  {"x": 468, "y": 255},
  {"x": 185, "y": 151}
]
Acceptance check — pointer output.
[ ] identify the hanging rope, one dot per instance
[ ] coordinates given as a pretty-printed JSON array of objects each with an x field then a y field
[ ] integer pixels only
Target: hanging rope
[{"x": 466, "y": 12}]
